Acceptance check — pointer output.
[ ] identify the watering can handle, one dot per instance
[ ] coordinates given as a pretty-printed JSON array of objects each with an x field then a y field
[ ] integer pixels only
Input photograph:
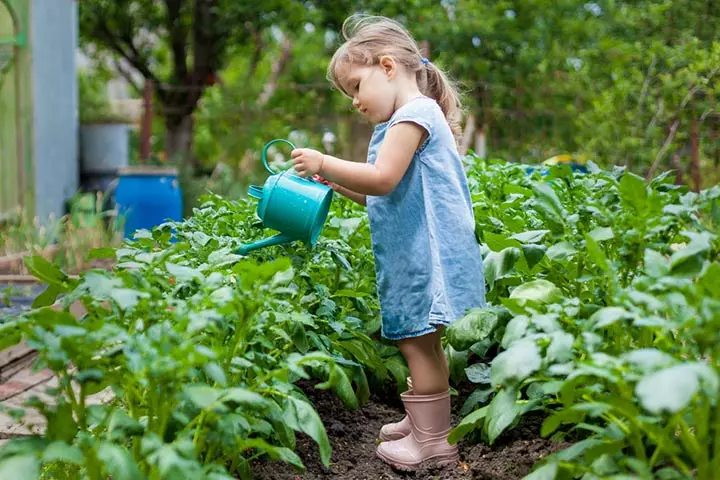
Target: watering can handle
[{"x": 265, "y": 149}]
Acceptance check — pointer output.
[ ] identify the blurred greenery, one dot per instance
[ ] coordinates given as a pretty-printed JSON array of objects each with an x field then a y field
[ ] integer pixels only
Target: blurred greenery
[{"x": 618, "y": 82}]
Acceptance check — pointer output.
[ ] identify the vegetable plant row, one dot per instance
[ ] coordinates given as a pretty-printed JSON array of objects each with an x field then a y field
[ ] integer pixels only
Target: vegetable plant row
[{"x": 604, "y": 313}]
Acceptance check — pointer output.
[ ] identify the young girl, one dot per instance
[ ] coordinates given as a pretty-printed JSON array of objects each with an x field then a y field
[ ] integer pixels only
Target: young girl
[{"x": 428, "y": 262}]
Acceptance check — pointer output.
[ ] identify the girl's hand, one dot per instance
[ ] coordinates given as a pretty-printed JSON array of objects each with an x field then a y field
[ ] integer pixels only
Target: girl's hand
[{"x": 307, "y": 162}]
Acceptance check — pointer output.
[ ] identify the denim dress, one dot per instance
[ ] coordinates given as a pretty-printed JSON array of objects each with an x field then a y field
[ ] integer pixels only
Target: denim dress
[{"x": 427, "y": 258}]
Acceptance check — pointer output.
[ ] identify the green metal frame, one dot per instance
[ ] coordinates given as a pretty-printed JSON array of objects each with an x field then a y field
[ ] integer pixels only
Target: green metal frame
[{"x": 24, "y": 157}]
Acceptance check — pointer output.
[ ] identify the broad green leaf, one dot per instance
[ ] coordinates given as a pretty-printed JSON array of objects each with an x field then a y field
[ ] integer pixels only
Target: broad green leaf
[
  {"x": 301, "y": 416},
  {"x": 515, "y": 363},
  {"x": 607, "y": 316},
  {"x": 573, "y": 451},
  {"x": 62, "y": 452},
  {"x": 476, "y": 398},
  {"x": 671, "y": 389},
  {"x": 127, "y": 298},
  {"x": 548, "y": 200},
  {"x": 688, "y": 262},
  {"x": 215, "y": 373},
  {"x": 648, "y": 359},
  {"x": 102, "y": 252},
  {"x": 533, "y": 254},
  {"x": 499, "y": 264},
  {"x": 503, "y": 411},
  {"x": 561, "y": 250},
  {"x": 61, "y": 423},
  {"x": 118, "y": 462},
  {"x": 244, "y": 397},
  {"x": 99, "y": 285},
  {"x": 478, "y": 373},
  {"x": 45, "y": 271},
  {"x": 633, "y": 191},
  {"x": 560, "y": 349},
  {"x": 546, "y": 472},
  {"x": 602, "y": 233},
  {"x": 274, "y": 453},
  {"x": 597, "y": 255},
  {"x": 20, "y": 467},
  {"x": 537, "y": 291},
  {"x": 47, "y": 297},
  {"x": 710, "y": 280},
  {"x": 531, "y": 236},
  {"x": 203, "y": 396},
  {"x": 515, "y": 330},
  {"x": 498, "y": 242},
  {"x": 183, "y": 273},
  {"x": 340, "y": 383},
  {"x": 468, "y": 424},
  {"x": 560, "y": 417},
  {"x": 477, "y": 325},
  {"x": 656, "y": 265}
]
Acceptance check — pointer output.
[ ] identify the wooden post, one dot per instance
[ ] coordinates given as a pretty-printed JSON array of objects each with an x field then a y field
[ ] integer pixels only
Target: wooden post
[{"x": 146, "y": 125}]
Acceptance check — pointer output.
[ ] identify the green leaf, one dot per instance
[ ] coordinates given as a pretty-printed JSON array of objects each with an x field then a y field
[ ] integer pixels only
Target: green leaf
[
  {"x": 546, "y": 472},
  {"x": 20, "y": 467},
  {"x": 244, "y": 397},
  {"x": 671, "y": 389},
  {"x": 503, "y": 411},
  {"x": 477, "y": 397},
  {"x": 468, "y": 424},
  {"x": 274, "y": 453},
  {"x": 340, "y": 383},
  {"x": 477, "y": 325},
  {"x": 602, "y": 233},
  {"x": 45, "y": 271},
  {"x": 62, "y": 452},
  {"x": 515, "y": 330},
  {"x": 301, "y": 416},
  {"x": 478, "y": 373},
  {"x": 536, "y": 291},
  {"x": 688, "y": 262},
  {"x": 102, "y": 252},
  {"x": 515, "y": 363},
  {"x": 648, "y": 359},
  {"x": 127, "y": 298},
  {"x": 561, "y": 250},
  {"x": 47, "y": 297},
  {"x": 710, "y": 280},
  {"x": 118, "y": 462},
  {"x": 633, "y": 191},
  {"x": 596, "y": 255},
  {"x": 531, "y": 236},
  {"x": 607, "y": 316},
  {"x": 533, "y": 254},
  {"x": 499, "y": 264},
  {"x": 183, "y": 273},
  {"x": 215, "y": 373},
  {"x": 203, "y": 396},
  {"x": 61, "y": 424},
  {"x": 560, "y": 349},
  {"x": 655, "y": 264},
  {"x": 548, "y": 201}
]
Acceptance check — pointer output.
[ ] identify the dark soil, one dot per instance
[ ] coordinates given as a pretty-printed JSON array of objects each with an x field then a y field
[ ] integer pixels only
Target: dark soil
[{"x": 353, "y": 437}]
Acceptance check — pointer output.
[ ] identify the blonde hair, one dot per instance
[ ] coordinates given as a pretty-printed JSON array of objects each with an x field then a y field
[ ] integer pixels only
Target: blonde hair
[{"x": 368, "y": 38}]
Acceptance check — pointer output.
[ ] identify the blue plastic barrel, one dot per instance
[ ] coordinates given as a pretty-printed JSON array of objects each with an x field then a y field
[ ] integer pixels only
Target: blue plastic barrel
[{"x": 147, "y": 197}]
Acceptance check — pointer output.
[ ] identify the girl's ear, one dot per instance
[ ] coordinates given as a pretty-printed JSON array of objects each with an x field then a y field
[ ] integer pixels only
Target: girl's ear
[{"x": 387, "y": 63}]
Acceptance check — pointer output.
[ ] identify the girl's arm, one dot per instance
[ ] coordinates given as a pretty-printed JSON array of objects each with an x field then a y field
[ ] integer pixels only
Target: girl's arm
[
  {"x": 394, "y": 157},
  {"x": 358, "y": 198}
]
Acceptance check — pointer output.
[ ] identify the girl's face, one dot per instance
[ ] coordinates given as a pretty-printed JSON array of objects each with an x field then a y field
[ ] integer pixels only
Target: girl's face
[{"x": 372, "y": 90}]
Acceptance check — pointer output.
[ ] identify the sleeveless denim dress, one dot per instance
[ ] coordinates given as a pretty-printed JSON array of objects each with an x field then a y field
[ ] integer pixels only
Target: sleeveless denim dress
[{"x": 427, "y": 258}]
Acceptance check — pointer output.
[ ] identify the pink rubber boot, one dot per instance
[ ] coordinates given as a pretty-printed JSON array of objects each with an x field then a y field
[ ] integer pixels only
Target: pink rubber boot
[
  {"x": 398, "y": 430},
  {"x": 427, "y": 442}
]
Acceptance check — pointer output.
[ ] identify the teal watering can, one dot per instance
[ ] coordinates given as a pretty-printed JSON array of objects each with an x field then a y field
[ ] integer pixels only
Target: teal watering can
[{"x": 293, "y": 205}]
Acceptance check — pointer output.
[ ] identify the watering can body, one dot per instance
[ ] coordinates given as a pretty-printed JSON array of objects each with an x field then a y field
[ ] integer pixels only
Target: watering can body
[{"x": 295, "y": 206}]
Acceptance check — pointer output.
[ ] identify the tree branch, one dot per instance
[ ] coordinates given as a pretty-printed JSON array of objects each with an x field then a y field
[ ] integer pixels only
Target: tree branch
[
  {"x": 277, "y": 68},
  {"x": 178, "y": 38}
]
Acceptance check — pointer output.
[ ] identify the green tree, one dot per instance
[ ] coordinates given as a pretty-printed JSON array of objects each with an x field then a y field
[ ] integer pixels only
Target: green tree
[{"x": 180, "y": 45}]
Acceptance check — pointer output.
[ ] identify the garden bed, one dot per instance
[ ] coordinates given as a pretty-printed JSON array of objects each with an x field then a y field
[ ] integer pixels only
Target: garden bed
[{"x": 353, "y": 435}]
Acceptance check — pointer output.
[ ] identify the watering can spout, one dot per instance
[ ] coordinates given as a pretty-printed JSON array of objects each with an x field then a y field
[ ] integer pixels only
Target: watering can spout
[{"x": 278, "y": 239}]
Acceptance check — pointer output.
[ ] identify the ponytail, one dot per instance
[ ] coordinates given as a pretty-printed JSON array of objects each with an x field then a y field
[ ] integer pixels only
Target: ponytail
[{"x": 435, "y": 84}]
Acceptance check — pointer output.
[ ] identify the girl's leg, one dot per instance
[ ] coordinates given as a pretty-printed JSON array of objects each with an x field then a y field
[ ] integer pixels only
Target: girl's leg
[
  {"x": 428, "y": 369},
  {"x": 441, "y": 353}
]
